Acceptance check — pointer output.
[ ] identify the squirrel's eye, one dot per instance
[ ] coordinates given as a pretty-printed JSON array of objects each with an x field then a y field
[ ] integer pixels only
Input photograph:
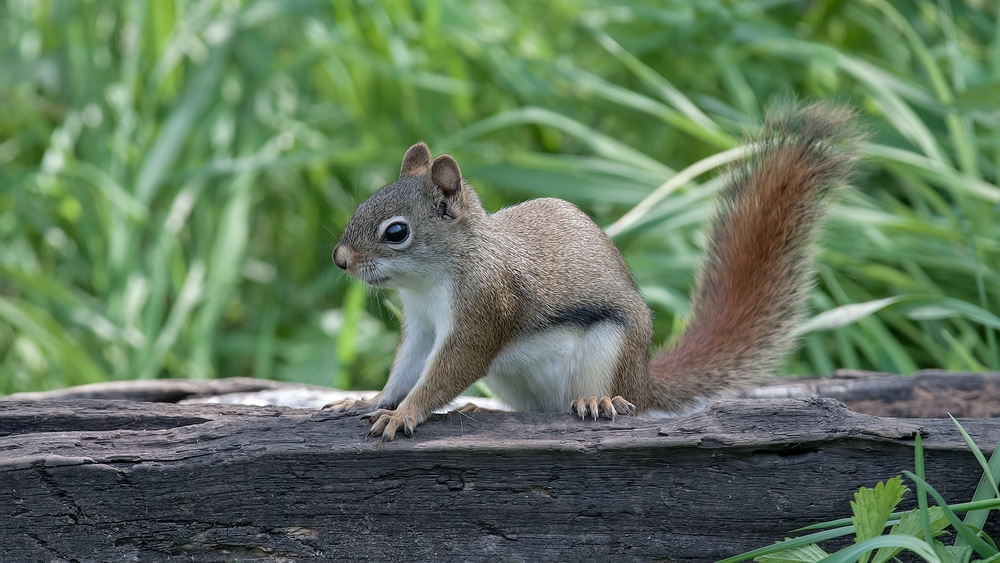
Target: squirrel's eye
[{"x": 396, "y": 233}]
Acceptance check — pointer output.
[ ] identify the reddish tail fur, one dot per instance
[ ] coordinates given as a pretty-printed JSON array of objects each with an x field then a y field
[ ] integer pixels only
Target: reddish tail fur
[{"x": 758, "y": 269}]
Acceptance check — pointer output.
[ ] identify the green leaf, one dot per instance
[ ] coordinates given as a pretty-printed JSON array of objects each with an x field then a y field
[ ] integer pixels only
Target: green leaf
[
  {"x": 178, "y": 125},
  {"x": 805, "y": 554},
  {"x": 985, "y": 491},
  {"x": 791, "y": 543},
  {"x": 846, "y": 314},
  {"x": 918, "y": 466},
  {"x": 601, "y": 144},
  {"x": 911, "y": 524},
  {"x": 965, "y": 532},
  {"x": 871, "y": 508},
  {"x": 979, "y": 456},
  {"x": 952, "y": 554},
  {"x": 675, "y": 182},
  {"x": 697, "y": 123},
  {"x": 988, "y": 504},
  {"x": 189, "y": 296},
  {"x": 852, "y": 553},
  {"x": 946, "y": 307},
  {"x": 46, "y": 331},
  {"x": 960, "y": 182}
]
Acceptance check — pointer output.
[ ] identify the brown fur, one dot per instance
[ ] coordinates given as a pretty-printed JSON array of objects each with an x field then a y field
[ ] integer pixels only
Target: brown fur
[
  {"x": 573, "y": 263},
  {"x": 415, "y": 161},
  {"x": 758, "y": 264},
  {"x": 543, "y": 265}
]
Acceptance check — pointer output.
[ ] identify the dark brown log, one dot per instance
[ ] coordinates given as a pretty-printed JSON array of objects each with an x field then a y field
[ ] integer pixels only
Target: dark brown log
[
  {"x": 925, "y": 394},
  {"x": 97, "y": 480},
  {"x": 162, "y": 390}
]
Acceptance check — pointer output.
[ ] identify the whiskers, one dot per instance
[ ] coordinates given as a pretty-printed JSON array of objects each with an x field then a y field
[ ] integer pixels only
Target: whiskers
[
  {"x": 333, "y": 235},
  {"x": 371, "y": 272}
]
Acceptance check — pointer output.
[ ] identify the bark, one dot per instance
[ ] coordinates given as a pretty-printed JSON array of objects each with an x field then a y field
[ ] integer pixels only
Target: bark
[{"x": 100, "y": 480}]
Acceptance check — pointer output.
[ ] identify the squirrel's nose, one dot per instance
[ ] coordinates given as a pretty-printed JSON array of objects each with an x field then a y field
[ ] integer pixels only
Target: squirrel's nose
[{"x": 340, "y": 257}]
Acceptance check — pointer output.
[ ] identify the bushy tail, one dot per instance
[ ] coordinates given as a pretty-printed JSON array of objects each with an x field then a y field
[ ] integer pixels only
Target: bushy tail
[{"x": 758, "y": 269}]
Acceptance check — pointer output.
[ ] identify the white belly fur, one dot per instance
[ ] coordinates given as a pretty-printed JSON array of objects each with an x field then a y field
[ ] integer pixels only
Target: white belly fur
[{"x": 547, "y": 371}]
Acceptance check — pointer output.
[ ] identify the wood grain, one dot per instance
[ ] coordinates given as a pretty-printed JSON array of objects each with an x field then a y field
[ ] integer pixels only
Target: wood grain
[{"x": 99, "y": 480}]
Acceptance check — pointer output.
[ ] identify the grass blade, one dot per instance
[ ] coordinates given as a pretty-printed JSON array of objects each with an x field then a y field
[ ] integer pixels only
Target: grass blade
[
  {"x": 986, "y": 490},
  {"x": 635, "y": 214},
  {"x": 846, "y": 314},
  {"x": 917, "y": 546},
  {"x": 601, "y": 144},
  {"x": 801, "y": 541},
  {"x": 965, "y": 532}
]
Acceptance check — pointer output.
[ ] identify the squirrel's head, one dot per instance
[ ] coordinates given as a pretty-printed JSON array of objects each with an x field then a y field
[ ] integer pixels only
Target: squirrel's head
[{"x": 404, "y": 234}]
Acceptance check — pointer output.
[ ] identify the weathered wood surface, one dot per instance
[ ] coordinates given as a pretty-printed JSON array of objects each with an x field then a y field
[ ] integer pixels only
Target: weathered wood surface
[
  {"x": 234, "y": 390},
  {"x": 162, "y": 390},
  {"x": 925, "y": 394},
  {"x": 98, "y": 480}
]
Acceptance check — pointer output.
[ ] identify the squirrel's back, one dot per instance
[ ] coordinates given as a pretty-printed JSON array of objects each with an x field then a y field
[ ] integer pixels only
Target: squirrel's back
[{"x": 563, "y": 253}]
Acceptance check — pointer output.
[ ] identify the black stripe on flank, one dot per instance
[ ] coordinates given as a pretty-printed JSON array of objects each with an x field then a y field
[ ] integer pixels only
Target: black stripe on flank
[{"x": 586, "y": 315}]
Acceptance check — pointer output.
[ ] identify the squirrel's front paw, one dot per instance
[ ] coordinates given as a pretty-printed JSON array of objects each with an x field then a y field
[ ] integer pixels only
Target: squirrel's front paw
[
  {"x": 351, "y": 405},
  {"x": 385, "y": 423},
  {"x": 604, "y": 407}
]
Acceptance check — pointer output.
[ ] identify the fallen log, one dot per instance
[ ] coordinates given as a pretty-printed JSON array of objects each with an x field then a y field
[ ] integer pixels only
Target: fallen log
[
  {"x": 925, "y": 394},
  {"x": 97, "y": 480}
]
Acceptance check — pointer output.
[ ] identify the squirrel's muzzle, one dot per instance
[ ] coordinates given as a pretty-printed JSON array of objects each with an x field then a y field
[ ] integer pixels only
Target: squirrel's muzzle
[{"x": 340, "y": 255}]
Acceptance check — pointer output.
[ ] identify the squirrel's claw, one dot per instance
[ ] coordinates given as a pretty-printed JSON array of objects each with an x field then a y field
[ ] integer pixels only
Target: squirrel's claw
[
  {"x": 352, "y": 405},
  {"x": 619, "y": 405},
  {"x": 604, "y": 407},
  {"x": 385, "y": 423},
  {"x": 469, "y": 408}
]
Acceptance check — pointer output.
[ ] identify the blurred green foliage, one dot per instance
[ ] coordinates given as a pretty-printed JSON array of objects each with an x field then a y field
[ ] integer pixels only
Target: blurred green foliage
[{"x": 173, "y": 173}]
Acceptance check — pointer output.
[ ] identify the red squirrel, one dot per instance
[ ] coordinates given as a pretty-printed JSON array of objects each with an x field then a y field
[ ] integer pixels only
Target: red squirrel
[{"x": 537, "y": 299}]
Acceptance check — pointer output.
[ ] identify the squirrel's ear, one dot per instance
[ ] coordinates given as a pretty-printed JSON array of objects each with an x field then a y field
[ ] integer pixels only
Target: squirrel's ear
[
  {"x": 444, "y": 177},
  {"x": 415, "y": 160}
]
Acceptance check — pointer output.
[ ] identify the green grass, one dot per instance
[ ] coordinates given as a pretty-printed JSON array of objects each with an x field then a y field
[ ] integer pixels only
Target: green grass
[
  {"x": 917, "y": 531},
  {"x": 173, "y": 174}
]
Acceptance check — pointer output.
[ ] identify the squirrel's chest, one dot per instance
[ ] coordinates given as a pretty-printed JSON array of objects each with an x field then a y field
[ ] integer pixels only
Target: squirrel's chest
[{"x": 429, "y": 312}]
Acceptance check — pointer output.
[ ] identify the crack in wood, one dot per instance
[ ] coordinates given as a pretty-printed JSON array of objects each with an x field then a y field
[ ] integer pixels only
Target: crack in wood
[
  {"x": 47, "y": 480},
  {"x": 268, "y": 483}
]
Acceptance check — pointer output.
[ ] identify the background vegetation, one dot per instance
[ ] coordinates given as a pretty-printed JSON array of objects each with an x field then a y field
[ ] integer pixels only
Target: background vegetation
[{"x": 173, "y": 173}]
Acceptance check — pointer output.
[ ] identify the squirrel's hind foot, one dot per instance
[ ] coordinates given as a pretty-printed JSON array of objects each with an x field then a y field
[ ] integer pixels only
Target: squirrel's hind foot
[{"x": 603, "y": 407}]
